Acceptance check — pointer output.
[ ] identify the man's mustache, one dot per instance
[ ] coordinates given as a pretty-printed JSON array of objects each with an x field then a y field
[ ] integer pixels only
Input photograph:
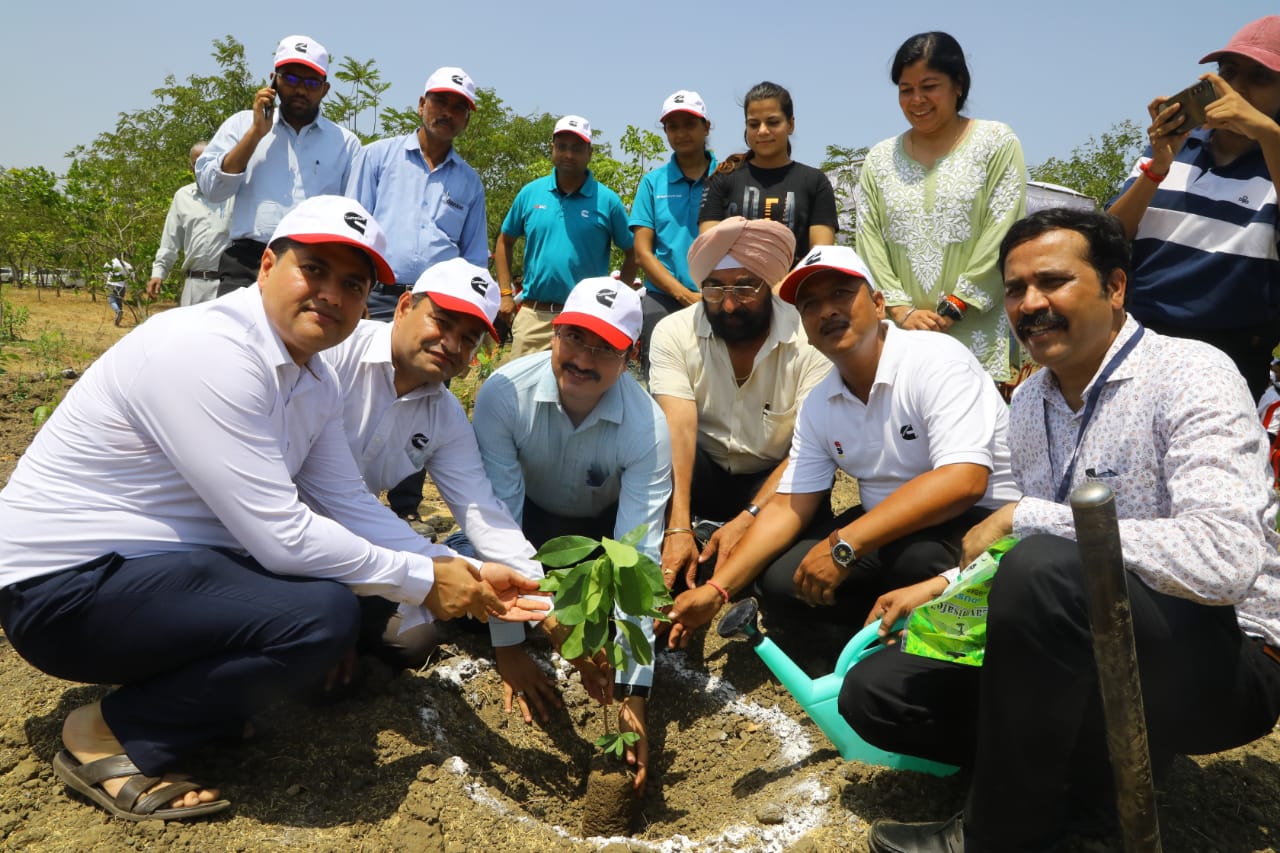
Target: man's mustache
[{"x": 1046, "y": 318}]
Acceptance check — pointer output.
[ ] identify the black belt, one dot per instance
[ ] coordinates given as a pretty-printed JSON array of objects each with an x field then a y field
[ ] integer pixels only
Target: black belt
[
  {"x": 539, "y": 305},
  {"x": 391, "y": 289},
  {"x": 207, "y": 275}
]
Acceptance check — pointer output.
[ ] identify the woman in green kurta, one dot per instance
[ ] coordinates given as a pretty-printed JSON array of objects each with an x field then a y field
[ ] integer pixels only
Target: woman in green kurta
[{"x": 934, "y": 203}]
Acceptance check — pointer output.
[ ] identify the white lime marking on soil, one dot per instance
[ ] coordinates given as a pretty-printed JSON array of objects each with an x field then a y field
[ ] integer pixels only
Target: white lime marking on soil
[{"x": 804, "y": 801}]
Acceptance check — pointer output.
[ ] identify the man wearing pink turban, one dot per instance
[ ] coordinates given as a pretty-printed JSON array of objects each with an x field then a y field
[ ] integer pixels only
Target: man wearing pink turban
[{"x": 729, "y": 372}]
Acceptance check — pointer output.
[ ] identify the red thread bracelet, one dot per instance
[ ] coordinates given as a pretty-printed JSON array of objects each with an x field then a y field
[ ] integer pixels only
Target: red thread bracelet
[
  {"x": 719, "y": 589},
  {"x": 1145, "y": 168},
  {"x": 959, "y": 303}
]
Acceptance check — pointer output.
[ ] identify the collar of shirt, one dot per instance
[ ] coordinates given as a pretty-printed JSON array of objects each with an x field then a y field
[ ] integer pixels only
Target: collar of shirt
[
  {"x": 378, "y": 353},
  {"x": 676, "y": 175},
  {"x": 886, "y": 368},
  {"x": 281, "y": 124},
  {"x": 294, "y": 377},
  {"x": 609, "y": 408},
  {"x": 414, "y": 147},
  {"x": 1126, "y": 369},
  {"x": 588, "y": 188}
]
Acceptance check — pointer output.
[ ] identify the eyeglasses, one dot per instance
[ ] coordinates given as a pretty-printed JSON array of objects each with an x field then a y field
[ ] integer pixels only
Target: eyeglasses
[
  {"x": 311, "y": 83},
  {"x": 743, "y": 293},
  {"x": 575, "y": 343}
]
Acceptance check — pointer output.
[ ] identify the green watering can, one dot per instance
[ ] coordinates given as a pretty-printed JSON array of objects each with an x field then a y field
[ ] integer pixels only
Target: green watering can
[{"x": 818, "y": 696}]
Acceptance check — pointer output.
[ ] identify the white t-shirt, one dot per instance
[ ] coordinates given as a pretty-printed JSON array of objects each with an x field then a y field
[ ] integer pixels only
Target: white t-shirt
[{"x": 931, "y": 405}]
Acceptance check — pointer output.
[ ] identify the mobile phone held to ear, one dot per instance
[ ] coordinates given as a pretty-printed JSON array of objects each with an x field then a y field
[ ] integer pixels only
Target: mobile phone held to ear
[
  {"x": 271, "y": 107},
  {"x": 1193, "y": 99}
]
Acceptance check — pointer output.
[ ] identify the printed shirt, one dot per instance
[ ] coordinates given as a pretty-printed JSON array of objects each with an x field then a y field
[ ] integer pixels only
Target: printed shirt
[
  {"x": 667, "y": 202},
  {"x": 1176, "y": 437},
  {"x": 286, "y": 168},
  {"x": 744, "y": 428},
  {"x": 198, "y": 227},
  {"x": 429, "y": 215},
  {"x": 567, "y": 236},
  {"x": 197, "y": 430}
]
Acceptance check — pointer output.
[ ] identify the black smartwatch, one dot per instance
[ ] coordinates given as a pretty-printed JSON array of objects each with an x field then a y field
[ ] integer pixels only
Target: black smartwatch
[{"x": 842, "y": 553}]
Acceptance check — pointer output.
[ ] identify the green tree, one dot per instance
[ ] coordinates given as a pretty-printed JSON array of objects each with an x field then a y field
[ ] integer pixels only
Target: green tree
[
  {"x": 32, "y": 217},
  {"x": 1098, "y": 167},
  {"x": 364, "y": 94},
  {"x": 843, "y": 166}
]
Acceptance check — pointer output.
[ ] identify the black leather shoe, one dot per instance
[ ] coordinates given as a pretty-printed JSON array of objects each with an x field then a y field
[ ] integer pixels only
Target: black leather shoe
[{"x": 890, "y": 836}]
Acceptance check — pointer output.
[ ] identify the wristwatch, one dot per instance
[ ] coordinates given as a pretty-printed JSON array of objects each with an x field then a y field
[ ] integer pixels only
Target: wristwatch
[{"x": 842, "y": 552}]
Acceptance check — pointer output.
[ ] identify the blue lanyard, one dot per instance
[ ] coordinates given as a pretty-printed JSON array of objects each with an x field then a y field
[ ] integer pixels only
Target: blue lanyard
[{"x": 1090, "y": 405}]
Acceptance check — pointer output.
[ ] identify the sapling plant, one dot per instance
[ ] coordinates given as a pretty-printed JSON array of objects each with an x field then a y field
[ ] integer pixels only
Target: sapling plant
[{"x": 592, "y": 584}]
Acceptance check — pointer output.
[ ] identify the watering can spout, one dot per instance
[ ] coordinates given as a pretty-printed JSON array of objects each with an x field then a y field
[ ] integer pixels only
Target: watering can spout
[{"x": 818, "y": 697}]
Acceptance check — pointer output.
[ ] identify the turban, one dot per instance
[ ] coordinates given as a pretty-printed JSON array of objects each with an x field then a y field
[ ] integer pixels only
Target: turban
[{"x": 761, "y": 246}]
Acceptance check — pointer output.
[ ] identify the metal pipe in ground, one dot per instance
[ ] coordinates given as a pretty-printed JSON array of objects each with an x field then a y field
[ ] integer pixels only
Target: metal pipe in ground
[{"x": 1111, "y": 623}]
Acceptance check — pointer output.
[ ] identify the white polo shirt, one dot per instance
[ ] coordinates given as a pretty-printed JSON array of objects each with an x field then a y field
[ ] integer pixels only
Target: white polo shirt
[
  {"x": 931, "y": 405},
  {"x": 394, "y": 436},
  {"x": 197, "y": 430}
]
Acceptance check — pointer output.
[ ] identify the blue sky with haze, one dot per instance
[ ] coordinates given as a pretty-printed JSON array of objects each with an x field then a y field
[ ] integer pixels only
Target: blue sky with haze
[{"x": 1058, "y": 73}]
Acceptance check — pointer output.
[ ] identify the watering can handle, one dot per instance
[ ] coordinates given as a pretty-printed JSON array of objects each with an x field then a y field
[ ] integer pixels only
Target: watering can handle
[{"x": 864, "y": 643}]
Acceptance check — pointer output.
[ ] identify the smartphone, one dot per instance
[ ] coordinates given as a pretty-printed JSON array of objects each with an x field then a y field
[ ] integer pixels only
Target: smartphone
[
  {"x": 1193, "y": 100},
  {"x": 271, "y": 107}
]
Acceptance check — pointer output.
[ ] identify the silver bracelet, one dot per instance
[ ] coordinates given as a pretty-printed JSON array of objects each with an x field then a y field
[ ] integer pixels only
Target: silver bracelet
[{"x": 906, "y": 315}]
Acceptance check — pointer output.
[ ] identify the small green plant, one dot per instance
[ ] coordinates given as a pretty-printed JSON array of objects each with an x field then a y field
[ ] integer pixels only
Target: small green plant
[
  {"x": 13, "y": 319},
  {"x": 590, "y": 581}
]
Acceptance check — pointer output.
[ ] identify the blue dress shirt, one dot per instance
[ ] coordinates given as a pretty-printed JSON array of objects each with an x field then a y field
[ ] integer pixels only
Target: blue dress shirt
[{"x": 668, "y": 202}]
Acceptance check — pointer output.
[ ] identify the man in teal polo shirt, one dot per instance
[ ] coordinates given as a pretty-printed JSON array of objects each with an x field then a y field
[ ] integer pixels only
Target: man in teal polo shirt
[
  {"x": 568, "y": 221},
  {"x": 664, "y": 215}
]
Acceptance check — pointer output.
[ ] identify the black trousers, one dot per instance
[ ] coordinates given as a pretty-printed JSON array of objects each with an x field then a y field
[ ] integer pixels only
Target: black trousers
[
  {"x": 717, "y": 495},
  {"x": 915, "y": 557},
  {"x": 238, "y": 266},
  {"x": 198, "y": 641},
  {"x": 654, "y": 307},
  {"x": 1029, "y": 721}
]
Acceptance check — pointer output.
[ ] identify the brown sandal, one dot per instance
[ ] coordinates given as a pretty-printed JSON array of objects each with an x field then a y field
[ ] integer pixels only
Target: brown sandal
[{"x": 133, "y": 802}]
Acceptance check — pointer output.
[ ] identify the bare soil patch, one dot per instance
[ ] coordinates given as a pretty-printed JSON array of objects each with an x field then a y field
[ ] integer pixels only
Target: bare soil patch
[{"x": 428, "y": 761}]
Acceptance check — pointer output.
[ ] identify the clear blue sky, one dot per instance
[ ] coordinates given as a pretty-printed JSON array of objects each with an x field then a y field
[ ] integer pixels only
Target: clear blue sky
[{"x": 1058, "y": 73}]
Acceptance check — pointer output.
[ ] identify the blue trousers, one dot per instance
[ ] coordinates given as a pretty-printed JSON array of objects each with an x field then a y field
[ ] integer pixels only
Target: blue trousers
[{"x": 197, "y": 640}]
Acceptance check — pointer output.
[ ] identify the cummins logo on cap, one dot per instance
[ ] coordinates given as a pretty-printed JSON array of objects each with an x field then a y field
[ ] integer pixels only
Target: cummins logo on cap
[
  {"x": 572, "y": 123},
  {"x": 301, "y": 47},
  {"x": 679, "y": 99},
  {"x": 814, "y": 258},
  {"x": 355, "y": 220},
  {"x": 479, "y": 285},
  {"x": 457, "y": 78},
  {"x": 605, "y": 296}
]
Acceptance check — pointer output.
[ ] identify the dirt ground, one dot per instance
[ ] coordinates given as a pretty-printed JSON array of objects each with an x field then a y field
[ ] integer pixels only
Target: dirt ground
[{"x": 428, "y": 760}]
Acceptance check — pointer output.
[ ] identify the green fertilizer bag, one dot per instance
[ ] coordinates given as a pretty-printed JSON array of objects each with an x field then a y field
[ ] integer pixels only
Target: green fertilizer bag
[{"x": 953, "y": 627}]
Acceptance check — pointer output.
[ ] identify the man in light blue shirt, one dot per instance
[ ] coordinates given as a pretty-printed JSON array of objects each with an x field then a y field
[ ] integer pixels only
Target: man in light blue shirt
[
  {"x": 568, "y": 221},
  {"x": 573, "y": 444},
  {"x": 270, "y": 160},
  {"x": 664, "y": 215},
  {"x": 428, "y": 199}
]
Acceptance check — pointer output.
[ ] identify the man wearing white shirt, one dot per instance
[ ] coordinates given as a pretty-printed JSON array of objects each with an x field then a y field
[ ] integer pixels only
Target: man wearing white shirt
[
  {"x": 911, "y": 416},
  {"x": 194, "y": 576},
  {"x": 270, "y": 157},
  {"x": 198, "y": 227},
  {"x": 400, "y": 418}
]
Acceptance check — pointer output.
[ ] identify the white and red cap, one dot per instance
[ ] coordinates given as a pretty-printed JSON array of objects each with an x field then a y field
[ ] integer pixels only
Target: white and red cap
[
  {"x": 337, "y": 219},
  {"x": 451, "y": 79},
  {"x": 461, "y": 286},
  {"x": 303, "y": 50},
  {"x": 684, "y": 101},
  {"x": 576, "y": 125},
  {"x": 821, "y": 258},
  {"x": 607, "y": 307}
]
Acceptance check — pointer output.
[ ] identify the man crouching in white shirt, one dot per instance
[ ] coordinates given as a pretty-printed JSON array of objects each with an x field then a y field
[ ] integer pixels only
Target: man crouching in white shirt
[
  {"x": 401, "y": 418},
  {"x": 192, "y": 574}
]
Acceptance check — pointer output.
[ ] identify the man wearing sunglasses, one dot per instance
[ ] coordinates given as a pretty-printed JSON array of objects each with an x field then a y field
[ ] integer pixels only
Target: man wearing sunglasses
[
  {"x": 271, "y": 156},
  {"x": 729, "y": 372},
  {"x": 574, "y": 445}
]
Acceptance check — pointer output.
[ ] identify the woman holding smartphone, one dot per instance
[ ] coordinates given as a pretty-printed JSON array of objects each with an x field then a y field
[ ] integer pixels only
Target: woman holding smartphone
[
  {"x": 765, "y": 183},
  {"x": 1204, "y": 242},
  {"x": 935, "y": 201}
]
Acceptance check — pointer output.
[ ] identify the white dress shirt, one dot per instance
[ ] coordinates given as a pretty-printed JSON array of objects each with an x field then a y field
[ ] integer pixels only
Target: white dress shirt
[
  {"x": 198, "y": 227},
  {"x": 197, "y": 430}
]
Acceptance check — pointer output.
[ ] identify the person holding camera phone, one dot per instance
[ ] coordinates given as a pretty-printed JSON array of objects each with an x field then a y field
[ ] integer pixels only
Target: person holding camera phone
[
  {"x": 1200, "y": 208},
  {"x": 934, "y": 202}
]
